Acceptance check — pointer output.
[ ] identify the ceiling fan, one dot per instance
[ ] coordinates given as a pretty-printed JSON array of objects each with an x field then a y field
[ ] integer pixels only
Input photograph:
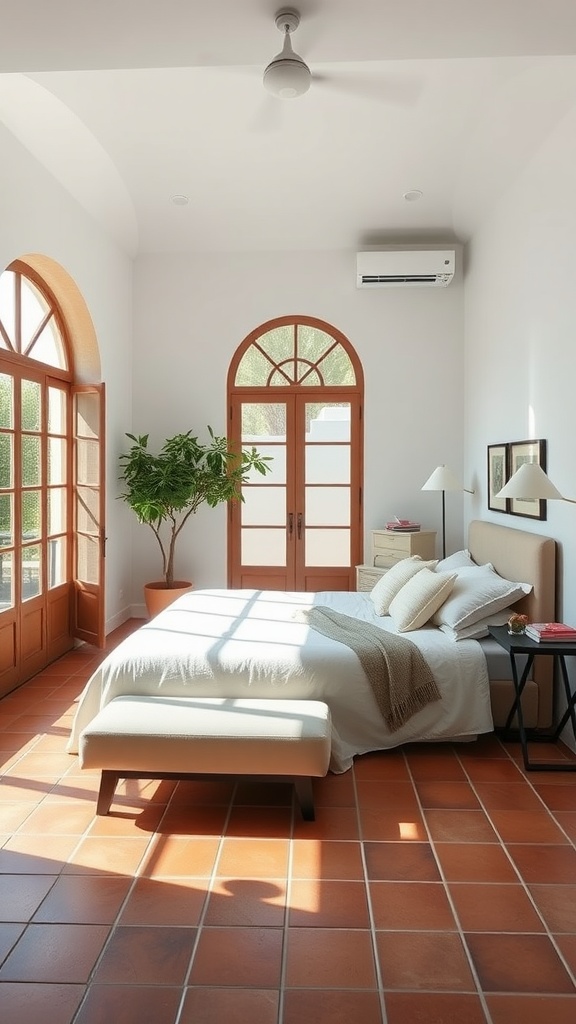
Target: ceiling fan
[{"x": 287, "y": 75}]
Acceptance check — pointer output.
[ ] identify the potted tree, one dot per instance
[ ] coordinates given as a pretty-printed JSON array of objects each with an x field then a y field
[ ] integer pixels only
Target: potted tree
[{"x": 166, "y": 488}]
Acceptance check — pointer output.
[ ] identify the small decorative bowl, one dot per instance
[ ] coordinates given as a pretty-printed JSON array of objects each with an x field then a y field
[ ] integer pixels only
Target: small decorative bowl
[{"x": 517, "y": 623}]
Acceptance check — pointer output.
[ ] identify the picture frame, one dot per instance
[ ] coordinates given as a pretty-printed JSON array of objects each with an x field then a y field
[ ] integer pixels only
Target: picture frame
[
  {"x": 497, "y": 458},
  {"x": 520, "y": 452}
]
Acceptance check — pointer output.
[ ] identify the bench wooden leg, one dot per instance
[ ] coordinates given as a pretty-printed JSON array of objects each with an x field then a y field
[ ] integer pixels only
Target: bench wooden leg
[
  {"x": 304, "y": 792},
  {"x": 110, "y": 779},
  {"x": 108, "y": 784}
]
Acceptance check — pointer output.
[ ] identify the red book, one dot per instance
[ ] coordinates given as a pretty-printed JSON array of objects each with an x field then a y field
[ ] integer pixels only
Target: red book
[
  {"x": 550, "y": 628},
  {"x": 403, "y": 524},
  {"x": 550, "y": 631}
]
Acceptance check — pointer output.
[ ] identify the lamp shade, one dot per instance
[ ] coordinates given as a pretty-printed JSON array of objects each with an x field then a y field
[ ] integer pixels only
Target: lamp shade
[
  {"x": 442, "y": 479},
  {"x": 530, "y": 481}
]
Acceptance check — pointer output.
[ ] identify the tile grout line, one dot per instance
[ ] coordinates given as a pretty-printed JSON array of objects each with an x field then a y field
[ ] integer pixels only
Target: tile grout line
[
  {"x": 286, "y": 924},
  {"x": 459, "y": 930},
  {"x": 207, "y": 897},
  {"x": 525, "y": 887},
  {"x": 373, "y": 936}
]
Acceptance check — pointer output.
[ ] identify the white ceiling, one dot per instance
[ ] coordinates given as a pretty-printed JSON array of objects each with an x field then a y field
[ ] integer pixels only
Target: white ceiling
[{"x": 130, "y": 102}]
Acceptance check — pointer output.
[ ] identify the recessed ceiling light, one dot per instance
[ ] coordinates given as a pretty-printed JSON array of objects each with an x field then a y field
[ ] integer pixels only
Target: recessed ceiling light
[
  {"x": 412, "y": 195},
  {"x": 180, "y": 200}
]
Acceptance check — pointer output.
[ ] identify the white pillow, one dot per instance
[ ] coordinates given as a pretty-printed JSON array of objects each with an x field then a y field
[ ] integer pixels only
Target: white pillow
[
  {"x": 419, "y": 598},
  {"x": 478, "y": 593},
  {"x": 478, "y": 629},
  {"x": 392, "y": 581},
  {"x": 459, "y": 560}
]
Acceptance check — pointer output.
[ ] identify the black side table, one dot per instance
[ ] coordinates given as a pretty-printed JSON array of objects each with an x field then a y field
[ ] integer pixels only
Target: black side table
[{"x": 519, "y": 643}]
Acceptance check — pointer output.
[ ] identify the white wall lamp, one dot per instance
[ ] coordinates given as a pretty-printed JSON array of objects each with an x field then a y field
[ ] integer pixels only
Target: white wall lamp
[
  {"x": 443, "y": 479},
  {"x": 530, "y": 482}
]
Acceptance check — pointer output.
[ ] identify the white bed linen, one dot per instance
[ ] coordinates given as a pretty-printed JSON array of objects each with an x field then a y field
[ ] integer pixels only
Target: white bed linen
[{"x": 247, "y": 643}]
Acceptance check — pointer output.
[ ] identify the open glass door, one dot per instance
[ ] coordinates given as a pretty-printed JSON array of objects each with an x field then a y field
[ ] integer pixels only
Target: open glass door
[{"x": 89, "y": 509}]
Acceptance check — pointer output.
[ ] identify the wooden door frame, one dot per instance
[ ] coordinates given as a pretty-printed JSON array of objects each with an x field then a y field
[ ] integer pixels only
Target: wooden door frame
[{"x": 352, "y": 393}]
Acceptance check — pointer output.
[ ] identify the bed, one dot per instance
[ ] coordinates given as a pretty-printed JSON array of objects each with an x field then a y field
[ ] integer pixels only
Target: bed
[{"x": 244, "y": 643}]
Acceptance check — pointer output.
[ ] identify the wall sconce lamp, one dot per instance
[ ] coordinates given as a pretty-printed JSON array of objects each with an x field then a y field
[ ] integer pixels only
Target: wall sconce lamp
[
  {"x": 530, "y": 481},
  {"x": 443, "y": 479}
]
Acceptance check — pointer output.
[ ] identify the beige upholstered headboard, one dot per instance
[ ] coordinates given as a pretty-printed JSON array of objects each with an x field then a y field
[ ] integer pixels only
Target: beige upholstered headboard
[{"x": 527, "y": 558}]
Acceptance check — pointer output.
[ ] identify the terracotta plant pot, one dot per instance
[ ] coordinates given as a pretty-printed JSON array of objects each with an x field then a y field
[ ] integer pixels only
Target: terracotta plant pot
[{"x": 158, "y": 596}]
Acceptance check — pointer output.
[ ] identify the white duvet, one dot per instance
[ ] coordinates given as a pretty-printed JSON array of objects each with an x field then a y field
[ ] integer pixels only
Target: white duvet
[{"x": 247, "y": 643}]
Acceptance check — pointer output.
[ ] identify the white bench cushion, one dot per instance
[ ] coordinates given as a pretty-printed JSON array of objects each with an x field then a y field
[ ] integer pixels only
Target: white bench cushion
[{"x": 209, "y": 735}]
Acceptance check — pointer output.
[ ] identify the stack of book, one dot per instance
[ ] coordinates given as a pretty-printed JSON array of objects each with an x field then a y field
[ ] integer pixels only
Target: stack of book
[
  {"x": 403, "y": 525},
  {"x": 558, "y": 631}
]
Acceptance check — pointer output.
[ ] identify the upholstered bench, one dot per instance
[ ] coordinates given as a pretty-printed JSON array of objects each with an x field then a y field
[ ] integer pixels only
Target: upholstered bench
[{"x": 183, "y": 737}]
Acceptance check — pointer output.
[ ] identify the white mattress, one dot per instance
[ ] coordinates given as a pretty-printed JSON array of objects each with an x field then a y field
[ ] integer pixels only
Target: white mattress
[{"x": 245, "y": 643}]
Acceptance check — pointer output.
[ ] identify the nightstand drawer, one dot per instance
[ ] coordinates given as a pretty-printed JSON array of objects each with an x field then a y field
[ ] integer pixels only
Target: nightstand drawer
[
  {"x": 389, "y": 547},
  {"x": 367, "y": 576}
]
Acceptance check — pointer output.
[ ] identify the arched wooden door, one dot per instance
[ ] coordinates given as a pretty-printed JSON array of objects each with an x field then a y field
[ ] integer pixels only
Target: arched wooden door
[
  {"x": 51, "y": 487},
  {"x": 295, "y": 392}
]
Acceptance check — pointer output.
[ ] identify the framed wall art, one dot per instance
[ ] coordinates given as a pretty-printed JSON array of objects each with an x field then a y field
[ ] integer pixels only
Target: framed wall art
[
  {"x": 497, "y": 476},
  {"x": 520, "y": 452}
]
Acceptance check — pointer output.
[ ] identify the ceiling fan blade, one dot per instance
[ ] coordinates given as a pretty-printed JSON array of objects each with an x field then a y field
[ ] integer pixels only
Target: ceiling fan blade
[{"x": 382, "y": 88}]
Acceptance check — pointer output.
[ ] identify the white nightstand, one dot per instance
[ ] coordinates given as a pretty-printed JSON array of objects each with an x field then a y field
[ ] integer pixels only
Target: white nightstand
[{"x": 389, "y": 547}]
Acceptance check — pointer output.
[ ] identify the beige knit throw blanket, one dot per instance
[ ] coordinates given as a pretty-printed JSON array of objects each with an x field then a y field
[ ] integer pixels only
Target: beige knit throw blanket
[{"x": 400, "y": 677}]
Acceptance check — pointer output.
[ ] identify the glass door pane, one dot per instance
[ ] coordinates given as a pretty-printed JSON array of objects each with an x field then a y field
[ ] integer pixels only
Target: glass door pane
[
  {"x": 58, "y": 453},
  {"x": 6, "y": 498},
  {"x": 32, "y": 453},
  {"x": 327, "y": 484},
  {"x": 263, "y": 513},
  {"x": 327, "y": 547},
  {"x": 87, "y": 480},
  {"x": 6, "y": 548},
  {"x": 31, "y": 570}
]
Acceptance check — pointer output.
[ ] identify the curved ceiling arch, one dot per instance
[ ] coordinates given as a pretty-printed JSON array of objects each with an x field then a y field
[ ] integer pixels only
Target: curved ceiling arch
[{"x": 62, "y": 143}]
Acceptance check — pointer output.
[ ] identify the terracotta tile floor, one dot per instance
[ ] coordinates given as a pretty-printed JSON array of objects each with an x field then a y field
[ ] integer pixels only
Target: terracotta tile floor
[{"x": 436, "y": 886}]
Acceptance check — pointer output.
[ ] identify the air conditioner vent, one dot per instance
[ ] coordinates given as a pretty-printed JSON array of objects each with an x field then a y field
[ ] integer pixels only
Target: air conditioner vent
[{"x": 398, "y": 268}]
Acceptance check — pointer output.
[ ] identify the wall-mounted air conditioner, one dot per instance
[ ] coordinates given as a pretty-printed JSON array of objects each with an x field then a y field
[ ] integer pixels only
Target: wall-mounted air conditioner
[{"x": 404, "y": 267}]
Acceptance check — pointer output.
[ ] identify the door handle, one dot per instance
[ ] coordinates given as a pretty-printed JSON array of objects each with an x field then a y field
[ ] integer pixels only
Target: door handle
[{"x": 299, "y": 525}]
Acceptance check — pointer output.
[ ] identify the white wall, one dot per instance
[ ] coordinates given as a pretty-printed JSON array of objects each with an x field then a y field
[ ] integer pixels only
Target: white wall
[
  {"x": 38, "y": 216},
  {"x": 520, "y": 319},
  {"x": 192, "y": 313}
]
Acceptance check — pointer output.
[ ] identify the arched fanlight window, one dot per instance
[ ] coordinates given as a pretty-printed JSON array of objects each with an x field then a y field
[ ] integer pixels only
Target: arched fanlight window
[
  {"x": 295, "y": 354},
  {"x": 30, "y": 321}
]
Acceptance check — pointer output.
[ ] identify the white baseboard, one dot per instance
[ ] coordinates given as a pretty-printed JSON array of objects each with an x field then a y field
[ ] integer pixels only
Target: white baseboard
[{"x": 134, "y": 611}]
